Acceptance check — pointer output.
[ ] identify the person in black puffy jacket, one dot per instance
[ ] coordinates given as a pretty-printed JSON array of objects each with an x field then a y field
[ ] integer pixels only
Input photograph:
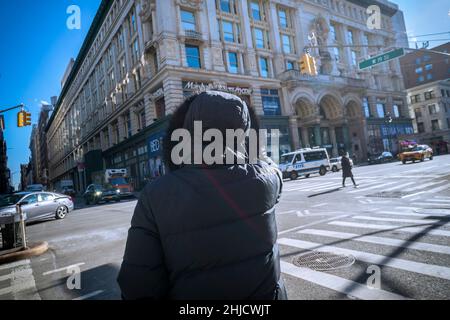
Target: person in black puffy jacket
[{"x": 206, "y": 231}]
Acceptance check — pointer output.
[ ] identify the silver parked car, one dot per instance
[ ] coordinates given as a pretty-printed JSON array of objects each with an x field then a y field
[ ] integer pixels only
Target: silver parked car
[{"x": 37, "y": 205}]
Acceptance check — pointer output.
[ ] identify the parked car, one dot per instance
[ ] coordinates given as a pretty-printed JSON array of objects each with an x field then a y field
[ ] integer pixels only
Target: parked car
[
  {"x": 305, "y": 162},
  {"x": 382, "y": 158},
  {"x": 35, "y": 188},
  {"x": 101, "y": 193},
  {"x": 336, "y": 164},
  {"x": 417, "y": 153},
  {"x": 37, "y": 205},
  {"x": 69, "y": 191}
]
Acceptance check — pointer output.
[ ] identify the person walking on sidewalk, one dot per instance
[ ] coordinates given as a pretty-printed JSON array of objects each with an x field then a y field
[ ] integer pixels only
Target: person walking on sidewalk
[
  {"x": 207, "y": 231},
  {"x": 347, "y": 170}
]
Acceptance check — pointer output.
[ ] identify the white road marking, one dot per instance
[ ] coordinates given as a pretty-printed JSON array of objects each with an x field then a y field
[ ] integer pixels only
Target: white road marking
[
  {"x": 393, "y": 228},
  {"x": 90, "y": 295},
  {"x": 437, "y": 200},
  {"x": 376, "y": 259},
  {"x": 22, "y": 285},
  {"x": 63, "y": 269},
  {"x": 415, "y": 221},
  {"x": 426, "y": 185},
  {"x": 378, "y": 186},
  {"x": 338, "y": 284},
  {"x": 313, "y": 224},
  {"x": 410, "y": 214},
  {"x": 399, "y": 187},
  {"x": 320, "y": 205},
  {"x": 422, "y": 246},
  {"x": 15, "y": 264},
  {"x": 439, "y": 189}
]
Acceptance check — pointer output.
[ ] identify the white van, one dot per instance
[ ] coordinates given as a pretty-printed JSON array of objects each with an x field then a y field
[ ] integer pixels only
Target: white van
[{"x": 305, "y": 162}]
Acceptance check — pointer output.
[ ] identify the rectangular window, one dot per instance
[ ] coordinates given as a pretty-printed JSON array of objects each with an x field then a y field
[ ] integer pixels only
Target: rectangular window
[
  {"x": 290, "y": 65},
  {"x": 193, "y": 56},
  {"x": 421, "y": 127},
  {"x": 429, "y": 95},
  {"x": 271, "y": 102},
  {"x": 429, "y": 67},
  {"x": 255, "y": 10},
  {"x": 435, "y": 125},
  {"x": 188, "y": 21},
  {"x": 350, "y": 37},
  {"x": 419, "y": 70},
  {"x": 225, "y": 6},
  {"x": 259, "y": 38},
  {"x": 286, "y": 40},
  {"x": 264, "y": 67},
  {"x": 333, "y": 32},
  {"x": 429, "y": 76},
  {"x": 337, "y": 54},
  {"x": 233, "y": 65},
  {"x": 354, "y": 58},
  {"x": 396, "y": 110},
  {"x": 418, "y": 113},
  {"x": 283, "y": 19},
  {"x": 366, "y": 108},
  {"x": 432, "y": 109},
  {"x": 381, "y": 110},
  {"x": 228, "y": 34}
]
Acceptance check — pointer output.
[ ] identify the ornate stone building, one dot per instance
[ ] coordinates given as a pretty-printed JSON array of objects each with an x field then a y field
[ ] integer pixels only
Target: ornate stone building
[{"x": 141, "y": 58}]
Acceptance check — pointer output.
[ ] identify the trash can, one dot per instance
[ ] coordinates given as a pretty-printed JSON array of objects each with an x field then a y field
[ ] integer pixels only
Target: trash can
[{"x": 10, "y": 232}]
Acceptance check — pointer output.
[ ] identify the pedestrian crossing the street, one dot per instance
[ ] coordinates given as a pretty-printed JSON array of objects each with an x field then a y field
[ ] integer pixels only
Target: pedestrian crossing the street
[
  {"x": 403, "y": 242},
  {"x": 17, "y": 281}
]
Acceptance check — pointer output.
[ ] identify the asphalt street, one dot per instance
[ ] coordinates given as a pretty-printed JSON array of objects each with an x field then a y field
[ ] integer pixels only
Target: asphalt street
[{"x": 394, "y": 230}]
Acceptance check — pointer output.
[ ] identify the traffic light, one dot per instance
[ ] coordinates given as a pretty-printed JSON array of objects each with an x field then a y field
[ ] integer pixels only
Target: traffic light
[
  {"x": 27, "y": 119},
  {"x": 304, "y": 64},
  {"x": 312, "y": 66},
  {"x": 23, "y": 119}
]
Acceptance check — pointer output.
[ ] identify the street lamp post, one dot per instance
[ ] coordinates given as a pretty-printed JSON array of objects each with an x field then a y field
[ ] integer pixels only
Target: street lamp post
[{"x": 388, "y": 121}]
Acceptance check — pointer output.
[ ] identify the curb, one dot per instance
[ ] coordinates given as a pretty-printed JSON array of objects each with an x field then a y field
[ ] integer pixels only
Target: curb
[{"x": 35, "y": 249}]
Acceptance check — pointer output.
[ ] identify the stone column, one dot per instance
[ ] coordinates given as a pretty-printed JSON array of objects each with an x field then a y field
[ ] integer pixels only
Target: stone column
[
  {"x": 295, "y": 138},
  {"x": 317, "y": 136},
  {"x": 256, "y": 100},
  {"x": 173, "y": 94},
  {"x": 305, "y": 137},
  {"x": 251, "y": 63},
  {"x": 150, "y": 112},
  {"x": 334, "y": 142},
  {"x": 347, "y": 141}
]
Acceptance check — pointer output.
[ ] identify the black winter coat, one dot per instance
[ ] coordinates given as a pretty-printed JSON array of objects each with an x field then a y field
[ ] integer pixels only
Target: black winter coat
[
  {"x": 346, "y": 167},
  {"x": 206, "y": 233}
]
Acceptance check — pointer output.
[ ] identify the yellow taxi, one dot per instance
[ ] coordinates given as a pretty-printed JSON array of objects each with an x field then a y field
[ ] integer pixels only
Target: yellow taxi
[{"x": 416, "y": 153}]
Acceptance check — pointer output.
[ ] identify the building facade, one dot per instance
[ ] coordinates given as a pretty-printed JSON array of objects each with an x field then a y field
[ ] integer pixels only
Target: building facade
[
  {"x": 430, "y": 110},
  {"x": 5, "y": 185},
  {"x": 138, "y": 64},
  {"x": 421, "y": 68}
]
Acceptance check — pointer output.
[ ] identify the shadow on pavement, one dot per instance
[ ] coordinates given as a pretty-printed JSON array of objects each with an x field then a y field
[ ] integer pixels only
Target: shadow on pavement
[
  {"x": 325, "y": 192},
  {"x": 99, "y": 283}
]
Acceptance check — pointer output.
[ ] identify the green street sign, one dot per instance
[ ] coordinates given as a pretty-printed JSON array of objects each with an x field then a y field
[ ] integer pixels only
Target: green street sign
[{"x": 381, "y": 58}]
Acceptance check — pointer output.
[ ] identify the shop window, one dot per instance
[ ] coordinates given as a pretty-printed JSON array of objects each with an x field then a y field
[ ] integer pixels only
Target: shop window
[
  {"x": 396, "y": 111},
  {"x": 421, "y": 127},
  {"x": 366, "y": 107},
  {"x": 435, "y": 125},
  {"x": 271, "y": 102},
  {"x": 381, "y": 110}
]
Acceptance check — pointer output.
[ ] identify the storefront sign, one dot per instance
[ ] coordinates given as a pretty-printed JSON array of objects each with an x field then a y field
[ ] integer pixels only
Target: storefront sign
[
  {"x": 201, "y": 87},
  {"x": 155, "y": 144}
]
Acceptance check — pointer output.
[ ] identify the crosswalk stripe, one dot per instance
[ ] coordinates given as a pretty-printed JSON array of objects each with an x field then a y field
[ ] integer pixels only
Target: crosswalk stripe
[
  {"x": 410, "y": 214},
  {"x": 416, "y": 267},
  {"x": 437, "y": 200},
  {"x": 397, "y": 228},
  {"x": 309, "y": 187},
  {"x": 338, "y": 284},
  {"x": 422, "y": 246},
  {"x": 399, "y": 186},
  {"x": 415, "y": 221},
  {"x": 423, "y": 186},
  {"x": 439, "y": 189},
  {"x": 378, "y": 186},
  {"x": 15, "y": 264}
]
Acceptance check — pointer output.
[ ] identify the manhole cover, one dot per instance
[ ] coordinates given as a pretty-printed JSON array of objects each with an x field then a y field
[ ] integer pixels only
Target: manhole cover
[
  {"x": 392, "y": 195},
  {"x": 323, "y": 261}
]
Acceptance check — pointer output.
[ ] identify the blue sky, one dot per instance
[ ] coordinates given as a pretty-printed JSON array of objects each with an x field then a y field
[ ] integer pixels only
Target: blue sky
[{"x": 36, "y": 47}]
